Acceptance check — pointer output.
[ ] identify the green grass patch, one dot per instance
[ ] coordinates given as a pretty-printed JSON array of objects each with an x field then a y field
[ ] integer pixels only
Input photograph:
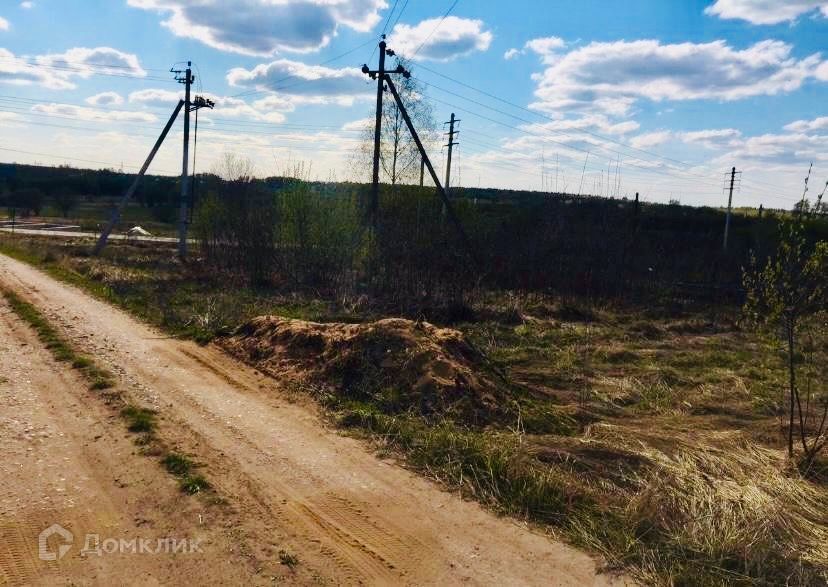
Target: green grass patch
[
  {"x": 139, "y": 419},
  {"x": 193, "y": 484},
  {"x": 177, "y": 464},
  {"x": 60, "y": 348}
]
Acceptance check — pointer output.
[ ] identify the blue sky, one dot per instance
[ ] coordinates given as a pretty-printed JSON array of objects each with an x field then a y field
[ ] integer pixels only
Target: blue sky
[{"x": 598, "y": 96}]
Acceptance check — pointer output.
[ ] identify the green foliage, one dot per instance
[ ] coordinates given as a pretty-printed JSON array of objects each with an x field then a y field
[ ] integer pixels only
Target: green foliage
[
  {"x": 139, "y": 419},
  {"x": 193, "y": 484},
  {"x": 177, "y": 464},
  {"x": 787, "y": 298},
  {"x": 792, "y": 284}
]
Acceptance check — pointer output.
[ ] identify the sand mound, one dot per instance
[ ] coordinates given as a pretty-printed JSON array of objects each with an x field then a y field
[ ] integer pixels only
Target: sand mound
[{"x": 397, "y": 364}]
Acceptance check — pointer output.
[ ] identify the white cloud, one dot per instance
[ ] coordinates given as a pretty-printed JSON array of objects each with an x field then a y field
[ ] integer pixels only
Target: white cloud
[
  {"x": 27, "y": 5},
  {"x": 4, "y": 24},
  {"x": 454, "y": 37},
  {"x": 17, "y": 71},
  {"x": 619, "y": 73},
  {"x": 546, "y": 47},
  {"x": 651, "y": 139},
  {"x": 93, "y": 114},
  {"x": 105, "y": 99},
  {"x": 712, "y": 138},
  {"x": 360, "y": 124},
  {"x": 84, "y": 62},
  {"x": 56, "y": 71},
  {"x": 264, "y": 27},
  {"x": 782, "y": 149},
  {"x": 156, "y": 97},
  {"x": 820, "y": 123},
  {"x": 765, "y": 11},
  {"x": 268, "y": 109},
  {"x": 591, "y": 122},
  {"x": 302, "y": 82}
]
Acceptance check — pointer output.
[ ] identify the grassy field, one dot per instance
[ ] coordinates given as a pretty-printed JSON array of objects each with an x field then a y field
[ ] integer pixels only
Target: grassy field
[{"x": 651, "y": 435}]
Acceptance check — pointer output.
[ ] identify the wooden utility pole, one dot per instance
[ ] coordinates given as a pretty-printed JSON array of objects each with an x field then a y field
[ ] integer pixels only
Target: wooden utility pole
[
  {"x": 378, "y": 75},
  {"x": 187, "y": 80},
  {"x": 422, "y": 171},
  {"x": 451, "y": 134},
  {"x": 116, "y": 213},
  {"x": 729, "y": 207}
]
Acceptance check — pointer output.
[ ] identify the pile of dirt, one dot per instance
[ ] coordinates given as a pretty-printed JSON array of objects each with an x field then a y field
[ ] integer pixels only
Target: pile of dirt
[{"x": 395, "y": 364}]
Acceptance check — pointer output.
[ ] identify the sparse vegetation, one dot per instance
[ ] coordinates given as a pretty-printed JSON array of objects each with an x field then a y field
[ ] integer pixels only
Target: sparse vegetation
[
  {"x": 139, "y": 419},
  {"x": 98, "y": 378},
  {"x": 647, "y": 432},
  {"x": 789, "y": 295}
]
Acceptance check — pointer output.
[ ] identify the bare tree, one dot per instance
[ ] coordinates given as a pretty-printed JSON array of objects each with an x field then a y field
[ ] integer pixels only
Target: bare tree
[
  {"x": 399, "y": 156},
  {"x": 232, "y": 167}
]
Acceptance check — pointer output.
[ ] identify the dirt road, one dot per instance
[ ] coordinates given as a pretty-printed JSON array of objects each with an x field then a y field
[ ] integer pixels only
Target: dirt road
[
  {"x": 66, "y": 462},
  {"x": 289, "y": 482}
]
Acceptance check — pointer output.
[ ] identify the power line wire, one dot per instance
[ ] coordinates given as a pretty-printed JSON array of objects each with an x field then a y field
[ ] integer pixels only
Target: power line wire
[{"x": 431, "y": 34}]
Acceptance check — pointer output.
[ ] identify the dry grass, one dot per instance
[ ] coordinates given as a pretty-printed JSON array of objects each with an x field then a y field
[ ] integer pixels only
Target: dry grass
[
  {"x": 728, "y": 512},
  {"x": 649, "y": 435}
]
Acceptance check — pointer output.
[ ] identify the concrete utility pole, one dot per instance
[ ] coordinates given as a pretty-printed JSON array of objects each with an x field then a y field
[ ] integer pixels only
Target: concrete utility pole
[
  {"x": 729, "y": 206},
  {"x": 187, "y": 80},
  {"x": 451, "y": 134}
]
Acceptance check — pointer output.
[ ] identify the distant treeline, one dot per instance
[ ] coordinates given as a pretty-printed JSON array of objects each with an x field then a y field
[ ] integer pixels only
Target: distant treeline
[{"x": 316, "y": 235}]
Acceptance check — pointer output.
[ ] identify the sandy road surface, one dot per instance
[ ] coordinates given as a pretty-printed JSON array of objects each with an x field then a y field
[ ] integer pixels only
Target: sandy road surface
[
  {"x": 64, "y": 461},
  {"x": 350, "y": 517}
]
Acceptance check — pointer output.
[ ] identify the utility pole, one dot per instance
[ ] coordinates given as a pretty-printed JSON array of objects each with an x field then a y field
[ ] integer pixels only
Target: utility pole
[
  {"x": 422, "y": 171},
  {"x": 385, "y": 75},
  {"x": 580, "y": 187},
  {"x": 378, "y": 75},
  {"x": 451, "y": 134},
  {"x": 556, "y": 173},
  {"x": 729, "y": 206},
  {"x": 187, "y": 80}
]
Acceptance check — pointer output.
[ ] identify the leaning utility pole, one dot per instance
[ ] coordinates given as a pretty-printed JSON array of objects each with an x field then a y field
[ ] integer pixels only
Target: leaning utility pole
[
  {"x": 187, "y": 80},
  {"x": 116, "y": 213},
  {"x": 451, "y": 134},
  {"x": 729, "y": 206},
  {"x": 440, "y": 190}
]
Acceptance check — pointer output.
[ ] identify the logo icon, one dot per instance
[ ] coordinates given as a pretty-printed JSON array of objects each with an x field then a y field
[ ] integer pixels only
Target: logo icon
[{"x": 43, "y": 551}]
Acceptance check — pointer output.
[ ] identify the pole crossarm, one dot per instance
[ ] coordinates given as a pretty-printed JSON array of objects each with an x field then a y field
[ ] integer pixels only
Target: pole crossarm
[{"x": 116, "y": 213}]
